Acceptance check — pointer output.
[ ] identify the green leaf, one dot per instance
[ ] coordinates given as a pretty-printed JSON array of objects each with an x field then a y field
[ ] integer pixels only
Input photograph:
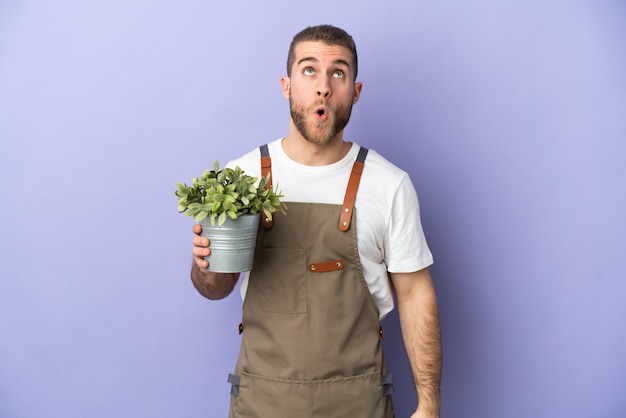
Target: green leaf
[
  {"x": 200, "y": 216},
  {"x": 226, "y": 193}
]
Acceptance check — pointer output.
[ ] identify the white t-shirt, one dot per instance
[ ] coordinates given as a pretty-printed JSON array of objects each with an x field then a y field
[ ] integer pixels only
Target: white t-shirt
[{"x": 389, "y": 230}]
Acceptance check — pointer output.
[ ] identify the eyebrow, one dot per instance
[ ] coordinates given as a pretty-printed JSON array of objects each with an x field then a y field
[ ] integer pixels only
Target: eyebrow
[{"x": 313, "y": 59}]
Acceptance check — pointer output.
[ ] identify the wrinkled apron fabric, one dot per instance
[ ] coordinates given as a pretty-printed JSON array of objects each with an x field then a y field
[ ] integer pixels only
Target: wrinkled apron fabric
[{"x": 310, "y": 331}]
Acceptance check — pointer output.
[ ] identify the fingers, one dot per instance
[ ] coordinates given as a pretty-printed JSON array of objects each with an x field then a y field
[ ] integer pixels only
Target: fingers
[
  {"x": 200, "y": 247},
  {"x": 201, "y": 263},
  {"x": 199, "y": 252},
  {"x": 200, "y": 241}
]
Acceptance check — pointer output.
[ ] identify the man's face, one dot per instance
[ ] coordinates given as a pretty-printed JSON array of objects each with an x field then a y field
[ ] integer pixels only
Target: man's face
[{"x": 321, "y": 90}]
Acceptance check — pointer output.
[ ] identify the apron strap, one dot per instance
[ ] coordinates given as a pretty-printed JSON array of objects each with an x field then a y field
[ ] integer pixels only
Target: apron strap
[
  {"x": 353, "y": 186},
  {"x": 266, "y": 168},
  {"x": 387, "y": 381},
  {"x": 234, "y": 380}
]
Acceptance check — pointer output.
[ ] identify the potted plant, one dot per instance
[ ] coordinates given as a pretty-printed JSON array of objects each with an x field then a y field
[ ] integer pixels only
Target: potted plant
[{"x": 228, "y": 204}]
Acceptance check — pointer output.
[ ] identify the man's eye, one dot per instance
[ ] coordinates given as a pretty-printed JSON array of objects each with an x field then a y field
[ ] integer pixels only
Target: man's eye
[
  {"x": 309, "y": 71},
  {"x": 338, "y": 74}
]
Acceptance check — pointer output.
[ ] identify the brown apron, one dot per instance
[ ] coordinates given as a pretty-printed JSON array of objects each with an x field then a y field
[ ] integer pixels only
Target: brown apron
[{"x": 311, "y": 334}]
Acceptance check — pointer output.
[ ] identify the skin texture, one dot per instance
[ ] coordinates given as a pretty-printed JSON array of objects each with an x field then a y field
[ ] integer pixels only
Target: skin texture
[
  {"x": 321, "y": 77},
  {"x": 419, "y": 321},
  {"x": 321, "y": 92},
  {"x": 321, "y": 121}
]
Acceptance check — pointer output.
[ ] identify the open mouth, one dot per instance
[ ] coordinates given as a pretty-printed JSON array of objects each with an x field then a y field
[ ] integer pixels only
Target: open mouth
[{"x": 321, "y": 114}]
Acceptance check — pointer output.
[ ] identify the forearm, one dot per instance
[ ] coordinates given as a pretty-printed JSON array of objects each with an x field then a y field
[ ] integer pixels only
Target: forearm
[
  {"x": 212, "y": 285},
  {"x": 419, "y": 320}
]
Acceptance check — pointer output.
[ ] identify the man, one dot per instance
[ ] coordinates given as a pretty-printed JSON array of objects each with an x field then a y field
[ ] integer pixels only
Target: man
[{"x": 320, "y": 281}]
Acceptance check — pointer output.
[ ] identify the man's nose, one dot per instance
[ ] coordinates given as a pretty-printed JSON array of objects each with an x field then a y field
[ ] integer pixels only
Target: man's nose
[
  {"x": 323, "y": 88},
  {"x": 323, "y": 93}
]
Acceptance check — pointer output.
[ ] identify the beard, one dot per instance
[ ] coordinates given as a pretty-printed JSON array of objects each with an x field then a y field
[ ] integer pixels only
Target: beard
[{"x": 320, "y": 133}]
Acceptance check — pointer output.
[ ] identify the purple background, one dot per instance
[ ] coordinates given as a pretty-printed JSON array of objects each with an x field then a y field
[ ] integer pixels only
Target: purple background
[{"x": 509, "y": 116}]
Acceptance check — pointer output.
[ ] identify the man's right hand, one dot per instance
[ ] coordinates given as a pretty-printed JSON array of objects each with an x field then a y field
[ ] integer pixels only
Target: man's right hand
[{"x": 210, "y": 284}]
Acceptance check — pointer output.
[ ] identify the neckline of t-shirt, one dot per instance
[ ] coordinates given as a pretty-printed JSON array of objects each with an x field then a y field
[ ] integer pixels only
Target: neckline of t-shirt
[{"x": 348, "y": 159}]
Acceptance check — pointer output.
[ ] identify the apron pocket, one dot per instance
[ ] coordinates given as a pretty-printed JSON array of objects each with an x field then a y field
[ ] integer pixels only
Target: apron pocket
[
  {"x": 357, "y": 396},
  {"x": 280, "y": 280}
]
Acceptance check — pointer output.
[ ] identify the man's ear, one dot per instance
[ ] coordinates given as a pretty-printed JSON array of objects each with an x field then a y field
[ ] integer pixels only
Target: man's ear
[
  {"x": 285, "y": 83},
  {"x": 357, "y": 91}
]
